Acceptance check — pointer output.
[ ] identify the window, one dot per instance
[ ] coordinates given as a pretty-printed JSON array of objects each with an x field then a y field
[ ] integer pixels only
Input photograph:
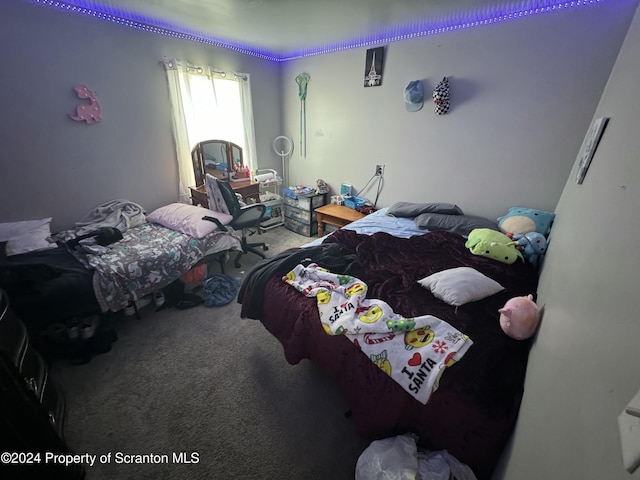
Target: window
[{"x": 208, "y": 104}]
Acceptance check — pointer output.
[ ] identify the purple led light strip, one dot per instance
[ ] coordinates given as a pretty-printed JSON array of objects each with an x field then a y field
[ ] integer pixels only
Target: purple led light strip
[{"x": 474, "y": 18}]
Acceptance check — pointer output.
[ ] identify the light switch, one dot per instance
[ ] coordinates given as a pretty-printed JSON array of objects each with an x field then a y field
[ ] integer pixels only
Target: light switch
[{"x": 629, "y": 425}]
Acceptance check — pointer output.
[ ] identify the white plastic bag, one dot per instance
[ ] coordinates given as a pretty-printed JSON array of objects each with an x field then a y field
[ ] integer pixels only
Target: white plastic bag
[
  {"x": 394, "y": 458},
  {"x": 441, "y": 465},
  {"x": 398, "y": 458}
]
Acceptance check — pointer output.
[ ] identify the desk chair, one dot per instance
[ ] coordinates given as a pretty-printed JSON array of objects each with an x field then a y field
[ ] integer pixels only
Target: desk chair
[{"x": 243, "y": 219}]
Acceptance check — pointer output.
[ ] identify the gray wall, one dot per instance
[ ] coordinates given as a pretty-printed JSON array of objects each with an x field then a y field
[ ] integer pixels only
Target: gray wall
[
  {"x": 584, "y": 368},
  {"x": 523, "y": 93},
  {"x": 54, "y": 166}
]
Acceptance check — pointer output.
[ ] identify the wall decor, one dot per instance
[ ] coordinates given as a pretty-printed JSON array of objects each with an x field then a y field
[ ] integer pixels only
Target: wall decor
[
  {"x": 87, "y": 112},
  {"x": 589, "y": 146},
  {"x": 303, "y": 81},
  {"x": 442, "y": 97},
  {"x": 414, "y": 96},
  {"x": 373, "y": 67}
]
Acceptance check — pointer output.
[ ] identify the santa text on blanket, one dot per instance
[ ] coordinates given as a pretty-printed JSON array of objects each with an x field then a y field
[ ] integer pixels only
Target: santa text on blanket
[{"x": 414, "y": 351}]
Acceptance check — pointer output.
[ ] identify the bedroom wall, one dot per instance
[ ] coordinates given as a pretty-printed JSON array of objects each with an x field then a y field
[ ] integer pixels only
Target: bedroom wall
[
  {"x": 54, "y": 166},
  {"x": 522, "y": 95},
  {"x": 584, "y": 368}
]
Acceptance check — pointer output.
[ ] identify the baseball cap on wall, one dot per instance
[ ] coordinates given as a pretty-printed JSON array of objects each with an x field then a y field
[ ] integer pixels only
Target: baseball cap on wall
[
  {"x": 414, "y": 96},
  {"x": 441, "y": 97}
]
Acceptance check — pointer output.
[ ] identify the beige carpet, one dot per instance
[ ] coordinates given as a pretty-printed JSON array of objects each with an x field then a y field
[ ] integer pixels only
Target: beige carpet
[{"x": 206, "y": 386}]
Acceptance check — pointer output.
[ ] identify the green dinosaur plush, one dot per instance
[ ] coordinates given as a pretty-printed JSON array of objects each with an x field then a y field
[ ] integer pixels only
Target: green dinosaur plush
[{"x": 493, "y": 244}]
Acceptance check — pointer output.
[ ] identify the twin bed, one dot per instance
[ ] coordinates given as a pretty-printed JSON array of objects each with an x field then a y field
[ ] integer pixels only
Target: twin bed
[
  {"x": 63, "y": 283},
  {"x": 148, "y": 258},
  {"x": 474, "y": 409}
]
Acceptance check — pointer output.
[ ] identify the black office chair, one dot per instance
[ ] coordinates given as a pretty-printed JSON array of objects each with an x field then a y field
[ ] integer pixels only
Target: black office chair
[{"x": 243, "y": 219}]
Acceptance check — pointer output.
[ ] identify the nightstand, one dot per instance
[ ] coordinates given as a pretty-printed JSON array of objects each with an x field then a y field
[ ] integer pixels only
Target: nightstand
[{"x": 337, "y": 215}]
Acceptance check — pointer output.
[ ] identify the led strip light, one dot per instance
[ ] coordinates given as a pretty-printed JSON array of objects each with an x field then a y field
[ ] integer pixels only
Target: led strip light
[{"x": 479, "y": 17}]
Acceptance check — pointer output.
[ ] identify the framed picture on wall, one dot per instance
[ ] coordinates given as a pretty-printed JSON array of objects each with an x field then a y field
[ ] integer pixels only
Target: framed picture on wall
[
  {"x": 589, "y": 146},
  {"x": 373, "y": 67}
]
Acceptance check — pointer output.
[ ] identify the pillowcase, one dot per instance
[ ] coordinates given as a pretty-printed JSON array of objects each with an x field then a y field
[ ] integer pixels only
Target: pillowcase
[
  {"x": 460, "y": 285},
  {"x": 408, "y": 209},
  {"x": 26, "y": 236},
  {"x": 188, "y": 219},
  {"x": 461, "y": 224}
]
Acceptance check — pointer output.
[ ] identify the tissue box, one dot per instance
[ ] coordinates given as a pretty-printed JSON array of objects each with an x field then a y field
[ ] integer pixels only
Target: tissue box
[{"x": 337, "y": 200}]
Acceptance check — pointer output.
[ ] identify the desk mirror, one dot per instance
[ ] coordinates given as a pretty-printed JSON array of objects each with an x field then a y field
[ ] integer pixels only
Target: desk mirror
[{"x": 219, "y": 158}]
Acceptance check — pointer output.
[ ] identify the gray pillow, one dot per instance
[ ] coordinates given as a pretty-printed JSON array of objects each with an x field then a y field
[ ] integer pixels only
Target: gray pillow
[
  {"x": 408, "y": 209},
  {"x": 461, "y": 224}
]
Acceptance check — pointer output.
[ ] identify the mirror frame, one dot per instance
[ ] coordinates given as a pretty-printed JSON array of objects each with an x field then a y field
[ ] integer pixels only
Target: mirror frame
[{"x": 199, "y": 164}]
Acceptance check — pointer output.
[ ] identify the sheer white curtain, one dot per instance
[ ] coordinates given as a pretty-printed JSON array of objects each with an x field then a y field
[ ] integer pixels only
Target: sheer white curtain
[{"x": 208, "y": 104}]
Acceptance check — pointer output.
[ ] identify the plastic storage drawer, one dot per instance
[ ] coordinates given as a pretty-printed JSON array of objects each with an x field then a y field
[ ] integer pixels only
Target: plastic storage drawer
[
  {"x": 299, "y": 215},
  {"x": 308, "y": 230},
  {"x": 305, "y": 203}
]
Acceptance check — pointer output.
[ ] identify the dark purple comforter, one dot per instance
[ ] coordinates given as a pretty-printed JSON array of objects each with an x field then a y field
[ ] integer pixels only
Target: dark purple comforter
[{"x": 474, "y": 411}]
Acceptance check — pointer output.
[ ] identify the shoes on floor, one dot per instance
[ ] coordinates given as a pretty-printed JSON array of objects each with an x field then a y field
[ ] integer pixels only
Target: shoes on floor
[
  {"x": 158, "y": 298},
  {"x": 129, "y": 310}
]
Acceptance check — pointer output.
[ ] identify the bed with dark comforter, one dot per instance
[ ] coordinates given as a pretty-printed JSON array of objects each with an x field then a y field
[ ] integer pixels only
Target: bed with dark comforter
[{"x": 474, "y": 410}]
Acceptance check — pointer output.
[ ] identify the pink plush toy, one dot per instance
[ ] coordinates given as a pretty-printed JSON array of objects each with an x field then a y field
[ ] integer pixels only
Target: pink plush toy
[{"x": 519, "y": 317}]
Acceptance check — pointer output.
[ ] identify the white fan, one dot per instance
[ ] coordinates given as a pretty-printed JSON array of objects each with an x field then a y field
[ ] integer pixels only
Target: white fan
[{"x": 283, "y": 146}]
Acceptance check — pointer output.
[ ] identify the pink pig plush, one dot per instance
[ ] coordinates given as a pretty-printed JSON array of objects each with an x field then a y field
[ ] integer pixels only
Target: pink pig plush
[{"x": 519, "y": 317}]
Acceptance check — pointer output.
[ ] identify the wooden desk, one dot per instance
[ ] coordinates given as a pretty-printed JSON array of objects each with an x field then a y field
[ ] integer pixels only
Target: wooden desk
[
  {"x": 337, "y": 215},
  {"x": 247, "y": 189}
]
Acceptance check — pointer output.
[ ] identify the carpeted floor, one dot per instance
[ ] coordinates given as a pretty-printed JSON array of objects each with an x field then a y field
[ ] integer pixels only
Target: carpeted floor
[{"x": 205, "y": 394}]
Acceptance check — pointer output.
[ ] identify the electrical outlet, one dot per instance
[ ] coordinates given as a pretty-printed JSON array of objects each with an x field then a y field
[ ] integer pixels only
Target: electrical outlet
[{"x": 379, "y": 170}]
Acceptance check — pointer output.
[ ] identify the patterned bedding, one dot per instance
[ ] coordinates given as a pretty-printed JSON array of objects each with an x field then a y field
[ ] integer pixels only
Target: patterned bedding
[
  {"x": 473, "y": 412},
  {"x": 148, "y": 258}
]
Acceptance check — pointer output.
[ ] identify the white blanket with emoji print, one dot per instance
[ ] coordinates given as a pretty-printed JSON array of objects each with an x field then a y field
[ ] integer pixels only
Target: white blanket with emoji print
[{"x": 413, "y": 351}]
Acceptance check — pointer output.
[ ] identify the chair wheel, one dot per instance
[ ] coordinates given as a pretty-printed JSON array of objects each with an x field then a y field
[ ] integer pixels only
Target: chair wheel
[{"x": 265, "y": 247}]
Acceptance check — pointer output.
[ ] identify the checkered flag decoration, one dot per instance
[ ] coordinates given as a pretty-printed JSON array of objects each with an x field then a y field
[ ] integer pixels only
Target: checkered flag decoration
[{"x": 441, "y": 97}]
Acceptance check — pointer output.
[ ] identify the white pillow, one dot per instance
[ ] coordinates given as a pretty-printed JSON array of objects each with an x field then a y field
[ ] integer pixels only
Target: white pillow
[
  {"x": 460, "y": 285},
  {"x": 188, "y": 219},
  {"x": 26, "y": 236}
]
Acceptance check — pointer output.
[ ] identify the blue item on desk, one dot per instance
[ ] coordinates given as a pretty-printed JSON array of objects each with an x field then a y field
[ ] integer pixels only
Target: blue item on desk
[
  {"x": 300, "y": 190},
  {"x": 354, "y": 202}
]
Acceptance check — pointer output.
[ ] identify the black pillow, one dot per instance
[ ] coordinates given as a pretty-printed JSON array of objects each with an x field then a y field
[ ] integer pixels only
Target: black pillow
[
  {"x": 408, "y": 209},
  {"x": 461, "y": 224}
]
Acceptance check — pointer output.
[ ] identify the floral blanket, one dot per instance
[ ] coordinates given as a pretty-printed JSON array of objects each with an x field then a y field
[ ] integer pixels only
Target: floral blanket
[{"x": 148, "y": 258}]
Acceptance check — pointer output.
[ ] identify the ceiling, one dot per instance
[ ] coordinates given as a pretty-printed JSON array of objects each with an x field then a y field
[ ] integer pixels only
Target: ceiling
[{"x": 283, "y": 29}]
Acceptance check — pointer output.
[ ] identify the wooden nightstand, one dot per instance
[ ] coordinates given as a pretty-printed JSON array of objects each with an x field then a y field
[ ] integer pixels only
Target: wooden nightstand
[
  {"x": 337, "y": 215},
  {"x": 248, "y": 189}
]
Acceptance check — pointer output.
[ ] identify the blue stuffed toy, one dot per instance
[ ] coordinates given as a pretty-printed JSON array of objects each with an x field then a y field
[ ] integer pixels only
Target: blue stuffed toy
[
  {"x": 533, "y": 246},
  {"x": 521, "y": 220}
]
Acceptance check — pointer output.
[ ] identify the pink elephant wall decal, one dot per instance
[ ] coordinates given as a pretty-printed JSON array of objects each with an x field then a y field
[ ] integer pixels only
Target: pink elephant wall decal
[{"x": 88, "y": 112}]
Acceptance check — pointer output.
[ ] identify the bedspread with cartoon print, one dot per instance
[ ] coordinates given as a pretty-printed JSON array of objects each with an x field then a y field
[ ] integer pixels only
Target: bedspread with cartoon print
[
  {"x": 414, "y": 351},
  {"x": 148, "y": 258}
]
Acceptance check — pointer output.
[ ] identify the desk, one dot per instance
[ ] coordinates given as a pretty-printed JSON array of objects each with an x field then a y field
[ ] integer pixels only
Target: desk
[
  {"x": 337, "y": 215},
  {"x": 248, "y": 189}
]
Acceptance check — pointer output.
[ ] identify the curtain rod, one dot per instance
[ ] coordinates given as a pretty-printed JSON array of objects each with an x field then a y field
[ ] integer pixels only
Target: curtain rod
[{"x": 172, "y": 64}]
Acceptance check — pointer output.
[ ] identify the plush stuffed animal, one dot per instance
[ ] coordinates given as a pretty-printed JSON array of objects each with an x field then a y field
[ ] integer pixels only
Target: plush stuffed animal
[
  {"x": 523, "y": 220},
  {"x": 519, "y": 317},
  {"x": 533, "y": 246},
  {"x": 493, "y": 244}
]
